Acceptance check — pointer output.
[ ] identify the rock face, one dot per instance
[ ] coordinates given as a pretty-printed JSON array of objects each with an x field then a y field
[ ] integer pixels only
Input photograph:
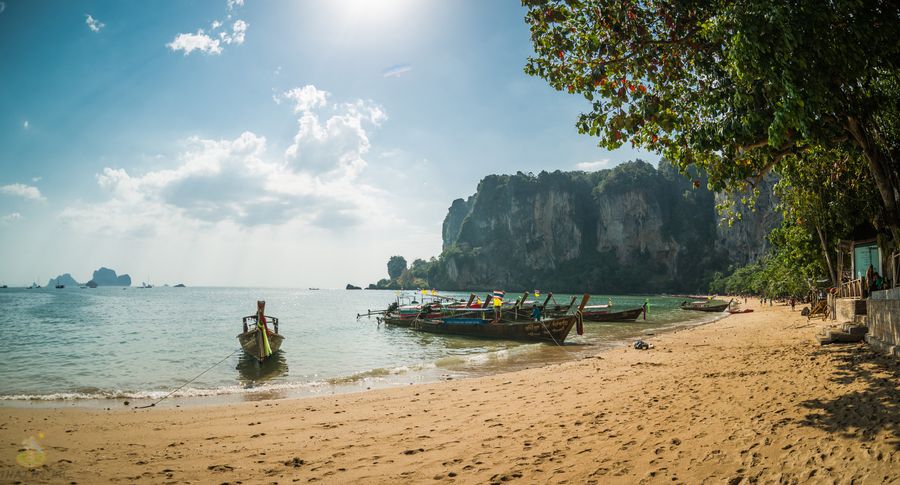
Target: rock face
[
  {"x": 63, "y": 279},
  {"x": 631, "y": 229},
  {"x": 746, "y": 240},
  {"x": 108, "y": 277}
]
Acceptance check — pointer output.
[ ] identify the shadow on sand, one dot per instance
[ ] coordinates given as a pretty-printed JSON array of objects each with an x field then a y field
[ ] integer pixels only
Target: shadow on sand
[{"x": 874, "y": 404}]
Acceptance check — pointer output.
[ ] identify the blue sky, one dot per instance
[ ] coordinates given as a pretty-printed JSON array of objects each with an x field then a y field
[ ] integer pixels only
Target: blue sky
[{"x": 261, "y": 143}]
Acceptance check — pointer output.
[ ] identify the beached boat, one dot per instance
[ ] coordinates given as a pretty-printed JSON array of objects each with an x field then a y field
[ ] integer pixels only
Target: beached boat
[
  {"x": 544, "y": 330},
  {"x": 257, "y": 339},
  {"x": 602, "y": 313},
  {"x": 704, "y": 306}
]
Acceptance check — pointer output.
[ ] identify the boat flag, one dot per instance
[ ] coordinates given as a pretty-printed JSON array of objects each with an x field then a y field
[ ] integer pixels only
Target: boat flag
[
  {"x": 433, "y": 292},
  {"x": 537, "y": 293},
  {"x": 498, "y": 296}
]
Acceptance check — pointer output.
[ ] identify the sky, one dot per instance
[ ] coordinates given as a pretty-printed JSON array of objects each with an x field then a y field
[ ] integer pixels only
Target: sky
[{"x": 250, "y": 143}]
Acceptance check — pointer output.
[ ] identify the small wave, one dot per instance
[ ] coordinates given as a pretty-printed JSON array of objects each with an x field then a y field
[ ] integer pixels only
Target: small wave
[
  {"x": 377, "y": 373},
  {"x": 186, "y": 392}
]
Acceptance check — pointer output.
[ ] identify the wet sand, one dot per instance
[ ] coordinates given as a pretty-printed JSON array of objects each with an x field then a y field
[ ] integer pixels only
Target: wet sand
[{"x": 750, "y": 398}]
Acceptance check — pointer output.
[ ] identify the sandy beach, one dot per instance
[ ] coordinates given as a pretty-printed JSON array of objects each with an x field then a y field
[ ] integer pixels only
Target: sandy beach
[{"x": 750, "y": 398}]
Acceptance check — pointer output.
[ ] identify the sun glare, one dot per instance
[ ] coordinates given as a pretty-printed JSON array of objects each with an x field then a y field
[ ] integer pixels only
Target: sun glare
[{"x": 375, "y": 12}]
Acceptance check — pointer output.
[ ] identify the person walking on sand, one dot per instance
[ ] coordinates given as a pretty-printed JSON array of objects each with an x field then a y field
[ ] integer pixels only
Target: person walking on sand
[{"x": 793, "y": 302}]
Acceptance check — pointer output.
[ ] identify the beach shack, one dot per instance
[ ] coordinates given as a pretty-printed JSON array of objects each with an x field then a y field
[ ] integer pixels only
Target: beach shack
[{"x": 864, "y": 310}]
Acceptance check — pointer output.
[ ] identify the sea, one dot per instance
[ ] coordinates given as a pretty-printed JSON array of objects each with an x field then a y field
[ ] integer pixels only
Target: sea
[{"x": 108, "y": 345}]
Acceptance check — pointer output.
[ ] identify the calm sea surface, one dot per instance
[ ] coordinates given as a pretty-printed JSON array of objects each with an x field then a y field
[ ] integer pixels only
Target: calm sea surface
[{"x": 139, "y": 344}]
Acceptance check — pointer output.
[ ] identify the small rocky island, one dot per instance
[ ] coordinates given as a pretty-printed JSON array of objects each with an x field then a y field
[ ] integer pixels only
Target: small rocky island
[{"x": 352, "y": 287}]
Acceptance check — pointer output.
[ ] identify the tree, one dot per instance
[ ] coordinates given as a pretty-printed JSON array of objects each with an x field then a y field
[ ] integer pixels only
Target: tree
[
  {"x": 736, "y": 88},
  {"x": 827, "y": 192},
  {"x": 396, "y": 266}
]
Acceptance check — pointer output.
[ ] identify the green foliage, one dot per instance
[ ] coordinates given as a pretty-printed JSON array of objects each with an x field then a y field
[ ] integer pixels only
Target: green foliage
[
  {"x": 396, "y": 266},
  {"x": 735, "y": 88},
  {"x": 790, "y": 270}
]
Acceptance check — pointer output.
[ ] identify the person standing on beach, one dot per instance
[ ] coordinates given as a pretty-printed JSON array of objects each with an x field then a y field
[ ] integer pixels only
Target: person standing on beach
[
  {"x": 793, "y": 302},
  {"x": 498, "y": 304}
]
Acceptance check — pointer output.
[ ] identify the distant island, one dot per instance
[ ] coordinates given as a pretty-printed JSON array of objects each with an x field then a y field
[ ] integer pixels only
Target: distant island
[
  {"x": 63, "y": 279},
  {"x": 102, "y": 277},
  {"x": 352, "y": 287},
  {"x": 108, "y": 277},
  {"x": 179, "y": 285}
]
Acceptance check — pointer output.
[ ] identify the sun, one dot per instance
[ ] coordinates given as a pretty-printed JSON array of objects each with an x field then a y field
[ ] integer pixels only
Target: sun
[{"x": 374, "y": 12}]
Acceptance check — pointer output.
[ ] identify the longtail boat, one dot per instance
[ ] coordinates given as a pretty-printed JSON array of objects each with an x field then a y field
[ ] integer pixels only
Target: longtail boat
[
  {"x": 601, "y": 313},
  {"x": 704, "y": 306},
  {"x": 257, "y": 339},
  {"x": 542, "y": 330}
]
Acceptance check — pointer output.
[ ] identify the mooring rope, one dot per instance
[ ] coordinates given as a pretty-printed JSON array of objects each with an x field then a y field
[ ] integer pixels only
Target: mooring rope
[
  {"x": 549, "y": 333},
  {"x": 188, "y": 382}
]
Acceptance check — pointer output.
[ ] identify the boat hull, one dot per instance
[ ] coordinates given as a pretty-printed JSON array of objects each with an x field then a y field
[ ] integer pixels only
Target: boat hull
[
  {"x": 554, "y": 330},
  {"x": 629, "y": 315},
  {"x": 709, "y": 308},
  {"x": 250, "y": 343}
]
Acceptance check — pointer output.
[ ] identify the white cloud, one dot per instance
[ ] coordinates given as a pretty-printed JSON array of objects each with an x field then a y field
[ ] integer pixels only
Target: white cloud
[
  {"x": 237, "y": 182},
  {"x": 203, "y": 42},
  {"x": 11, "y": 218},
  {"x": 336, "y": 144},
  {"x": 26, "y": 124},
  {"x": 592, "y": 166},
  {"x": 238, "y": 30},
  {"x": 93, "y": 24},
  {"x": 21, "y": 190},
  {"x": 191, "y": 42},
  {"x": 397, "y": 71},
  {"x": 306, "y": 98},
  {"x": 36, "y": 179}
]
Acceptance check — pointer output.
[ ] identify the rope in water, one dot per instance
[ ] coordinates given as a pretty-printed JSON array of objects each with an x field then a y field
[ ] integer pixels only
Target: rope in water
[
  {"x": 188, "y": 382},
  {"x": 577, "y": 317}
]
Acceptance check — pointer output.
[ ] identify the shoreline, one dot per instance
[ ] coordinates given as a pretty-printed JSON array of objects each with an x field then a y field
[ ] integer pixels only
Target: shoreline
[
  {"x": 426, "y": 373},
  {"x": 745, "y": 398}
]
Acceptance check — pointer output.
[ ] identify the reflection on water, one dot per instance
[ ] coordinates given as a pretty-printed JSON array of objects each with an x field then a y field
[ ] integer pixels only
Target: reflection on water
[{"x": 253, "y": 372}]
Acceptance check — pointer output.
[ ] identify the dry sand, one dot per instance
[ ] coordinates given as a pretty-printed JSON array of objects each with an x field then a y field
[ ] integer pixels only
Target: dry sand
[{"x": 750, "y": 398}]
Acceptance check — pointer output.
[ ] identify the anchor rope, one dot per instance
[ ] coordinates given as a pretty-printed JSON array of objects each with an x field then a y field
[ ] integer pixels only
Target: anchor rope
[{"x": 188, "y": 382}]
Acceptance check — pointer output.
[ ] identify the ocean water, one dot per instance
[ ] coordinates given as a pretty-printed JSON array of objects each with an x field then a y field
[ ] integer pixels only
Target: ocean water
[{"x": 93, "y": 345}]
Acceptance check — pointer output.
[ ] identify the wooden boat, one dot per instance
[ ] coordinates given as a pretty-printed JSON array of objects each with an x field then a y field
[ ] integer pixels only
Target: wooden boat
[
  {"x": 546, "y": 330},
  {"x": 704, "y": 306},
  {"x": 257, "y": 334},
  {"x": 601, "y": 313}
]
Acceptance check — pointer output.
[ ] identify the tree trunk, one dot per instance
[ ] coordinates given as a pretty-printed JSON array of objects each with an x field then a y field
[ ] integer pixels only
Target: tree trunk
[
  {"x": 826, "y": 252},
  {"x": 883, "y": 179}
]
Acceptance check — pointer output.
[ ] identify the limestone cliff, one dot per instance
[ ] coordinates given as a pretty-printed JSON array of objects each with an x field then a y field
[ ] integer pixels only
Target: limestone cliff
[{"x": 634, "y": 228}]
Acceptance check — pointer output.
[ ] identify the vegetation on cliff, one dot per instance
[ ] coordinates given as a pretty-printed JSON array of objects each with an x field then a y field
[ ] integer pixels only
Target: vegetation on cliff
[{"x": 633, "y": 228}]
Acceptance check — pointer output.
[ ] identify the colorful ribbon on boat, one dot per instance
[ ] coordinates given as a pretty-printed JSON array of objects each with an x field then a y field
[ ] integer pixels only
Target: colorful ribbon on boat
[{"x": 261, "y": 325}]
